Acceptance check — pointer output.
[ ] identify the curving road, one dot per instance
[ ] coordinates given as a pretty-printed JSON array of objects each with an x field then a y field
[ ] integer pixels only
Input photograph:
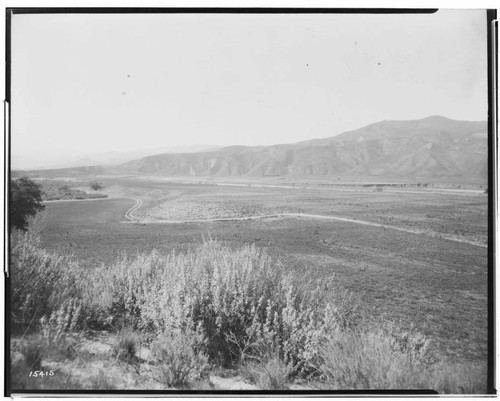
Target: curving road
[{"x": 129, "y": 213}]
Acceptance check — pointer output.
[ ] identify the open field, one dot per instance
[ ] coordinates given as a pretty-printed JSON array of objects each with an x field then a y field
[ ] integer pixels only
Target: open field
[{"x": 434, "y": 278}]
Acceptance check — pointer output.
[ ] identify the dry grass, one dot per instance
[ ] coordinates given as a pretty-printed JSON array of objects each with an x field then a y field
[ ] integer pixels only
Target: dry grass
[
  {"x": 375, "y": 359},
  {"x": 180, "y": 358},
  {"x": 272, "y": 374},
  {"x": 127, "y": 346}
]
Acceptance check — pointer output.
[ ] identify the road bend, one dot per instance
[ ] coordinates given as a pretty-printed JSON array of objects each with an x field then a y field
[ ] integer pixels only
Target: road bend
[{"x": 129, "y": 214}]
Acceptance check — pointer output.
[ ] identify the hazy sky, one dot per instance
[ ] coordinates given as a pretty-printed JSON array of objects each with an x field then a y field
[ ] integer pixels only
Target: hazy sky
[{"x": 95, "y": 83}]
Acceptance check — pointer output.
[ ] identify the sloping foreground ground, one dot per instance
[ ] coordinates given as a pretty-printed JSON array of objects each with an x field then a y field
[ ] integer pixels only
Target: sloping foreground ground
[
  {"x": 433, "y": 283},
  {"x": 96, "y": 369}
]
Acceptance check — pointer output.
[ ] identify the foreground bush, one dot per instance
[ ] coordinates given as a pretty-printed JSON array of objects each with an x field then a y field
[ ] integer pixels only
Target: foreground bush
[
  {"x": 268, "y": 374},
  {"x": 41, "y": 281},
  {"x": 127, "y": 346},
  {"x": 377, "y": 358},
  {"x": 240, "y": 299},
  {"x": 180, "y": 358},
  {"x": 367, "y": 359}
]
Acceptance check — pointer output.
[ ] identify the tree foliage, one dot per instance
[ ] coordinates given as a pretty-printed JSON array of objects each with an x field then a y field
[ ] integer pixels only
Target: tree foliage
[
  {"x": 25, "y": 200},
  {"x": 96, "y": 185}
]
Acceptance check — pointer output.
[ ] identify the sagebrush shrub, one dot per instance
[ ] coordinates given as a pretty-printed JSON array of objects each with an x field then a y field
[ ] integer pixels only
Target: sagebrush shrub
[
  {"x": 270, "y": 374},
  {"x": 127, "y": 345},
  {"x": 456, "y": 378},
  {"x": 385, "y": 357},
  {"x": 115, "y": 294},
  {"x": 241, "y": 300},
  {"x": 41, "y": 281},
  {"x": 392, "y": 358},
  {"x": 410, "y": 342},
  {"x": 179, "y": 357},
  {"x": 59, "y": 331},
  {"x": 65, "y": 319}
]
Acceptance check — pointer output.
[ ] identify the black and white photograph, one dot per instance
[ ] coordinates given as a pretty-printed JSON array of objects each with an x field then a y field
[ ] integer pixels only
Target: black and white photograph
[{"x": 249, "y": 201}]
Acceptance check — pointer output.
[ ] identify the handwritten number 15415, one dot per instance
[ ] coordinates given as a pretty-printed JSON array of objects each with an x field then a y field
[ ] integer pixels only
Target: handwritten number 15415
[{"x": 41, "y": 373}]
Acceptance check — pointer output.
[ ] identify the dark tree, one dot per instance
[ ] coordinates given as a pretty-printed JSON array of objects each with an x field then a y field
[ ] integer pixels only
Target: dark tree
[
  {"x": 25, "y": 200},
  {"x": 96, "y": 185}
]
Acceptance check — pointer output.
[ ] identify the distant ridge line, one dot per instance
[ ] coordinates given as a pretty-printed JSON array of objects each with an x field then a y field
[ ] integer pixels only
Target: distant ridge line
[{"x": 434, "y": 147}]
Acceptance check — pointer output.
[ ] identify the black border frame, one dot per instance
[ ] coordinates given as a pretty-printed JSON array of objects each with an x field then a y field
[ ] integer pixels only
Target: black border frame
[{"x": 492, "y": 51}]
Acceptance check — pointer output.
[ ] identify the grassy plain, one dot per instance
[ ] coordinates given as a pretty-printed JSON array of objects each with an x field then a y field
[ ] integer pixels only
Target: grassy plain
[{"x": 434, "y": 279}]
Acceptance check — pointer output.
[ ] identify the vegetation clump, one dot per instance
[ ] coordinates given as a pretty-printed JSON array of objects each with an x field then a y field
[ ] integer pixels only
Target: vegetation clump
[
  {"x": 241, "y": 301},
  {"x": 269, "y": 374},
  {"x": 41, "y": 281},
  {"x": 96, "y": 185},
  {"x": 180, "y": 358},
  {"x": 127, "y": 347}
]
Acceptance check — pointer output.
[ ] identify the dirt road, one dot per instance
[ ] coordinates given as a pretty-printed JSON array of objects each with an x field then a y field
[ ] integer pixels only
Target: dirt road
[
  {"x": 129, "y": 213},
  {"x": 131, "y": 218}
]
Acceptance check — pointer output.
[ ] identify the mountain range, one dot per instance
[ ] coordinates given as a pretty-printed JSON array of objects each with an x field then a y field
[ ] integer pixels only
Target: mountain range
[
  {"x": 431, "y": 147},
  {"x": 434, "y": 147}
]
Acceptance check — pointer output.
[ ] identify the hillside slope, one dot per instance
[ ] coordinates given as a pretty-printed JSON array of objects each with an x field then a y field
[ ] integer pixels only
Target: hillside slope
[{"x": 435, "y": 147}]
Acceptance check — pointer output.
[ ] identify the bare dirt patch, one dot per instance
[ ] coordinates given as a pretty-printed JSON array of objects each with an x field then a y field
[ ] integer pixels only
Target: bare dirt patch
[{"x": 181, "y": 209}]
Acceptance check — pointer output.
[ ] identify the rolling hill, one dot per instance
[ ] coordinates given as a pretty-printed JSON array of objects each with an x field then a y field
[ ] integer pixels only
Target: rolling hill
[{"x": 434, "y": 147}]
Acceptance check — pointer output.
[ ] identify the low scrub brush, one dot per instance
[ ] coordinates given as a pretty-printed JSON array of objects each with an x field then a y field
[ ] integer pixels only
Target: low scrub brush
[
  {"x": 127, "y": 346},
  {"x": 41, "y": 281},
  {"x": 392, "y": 358},
  {"x": 179, "y": 358},
  {"x": 272, "y": 374}
]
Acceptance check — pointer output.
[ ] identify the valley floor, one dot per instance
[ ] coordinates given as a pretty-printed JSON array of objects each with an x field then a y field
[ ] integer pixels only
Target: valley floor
[{"x": 419, "y": 256}]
